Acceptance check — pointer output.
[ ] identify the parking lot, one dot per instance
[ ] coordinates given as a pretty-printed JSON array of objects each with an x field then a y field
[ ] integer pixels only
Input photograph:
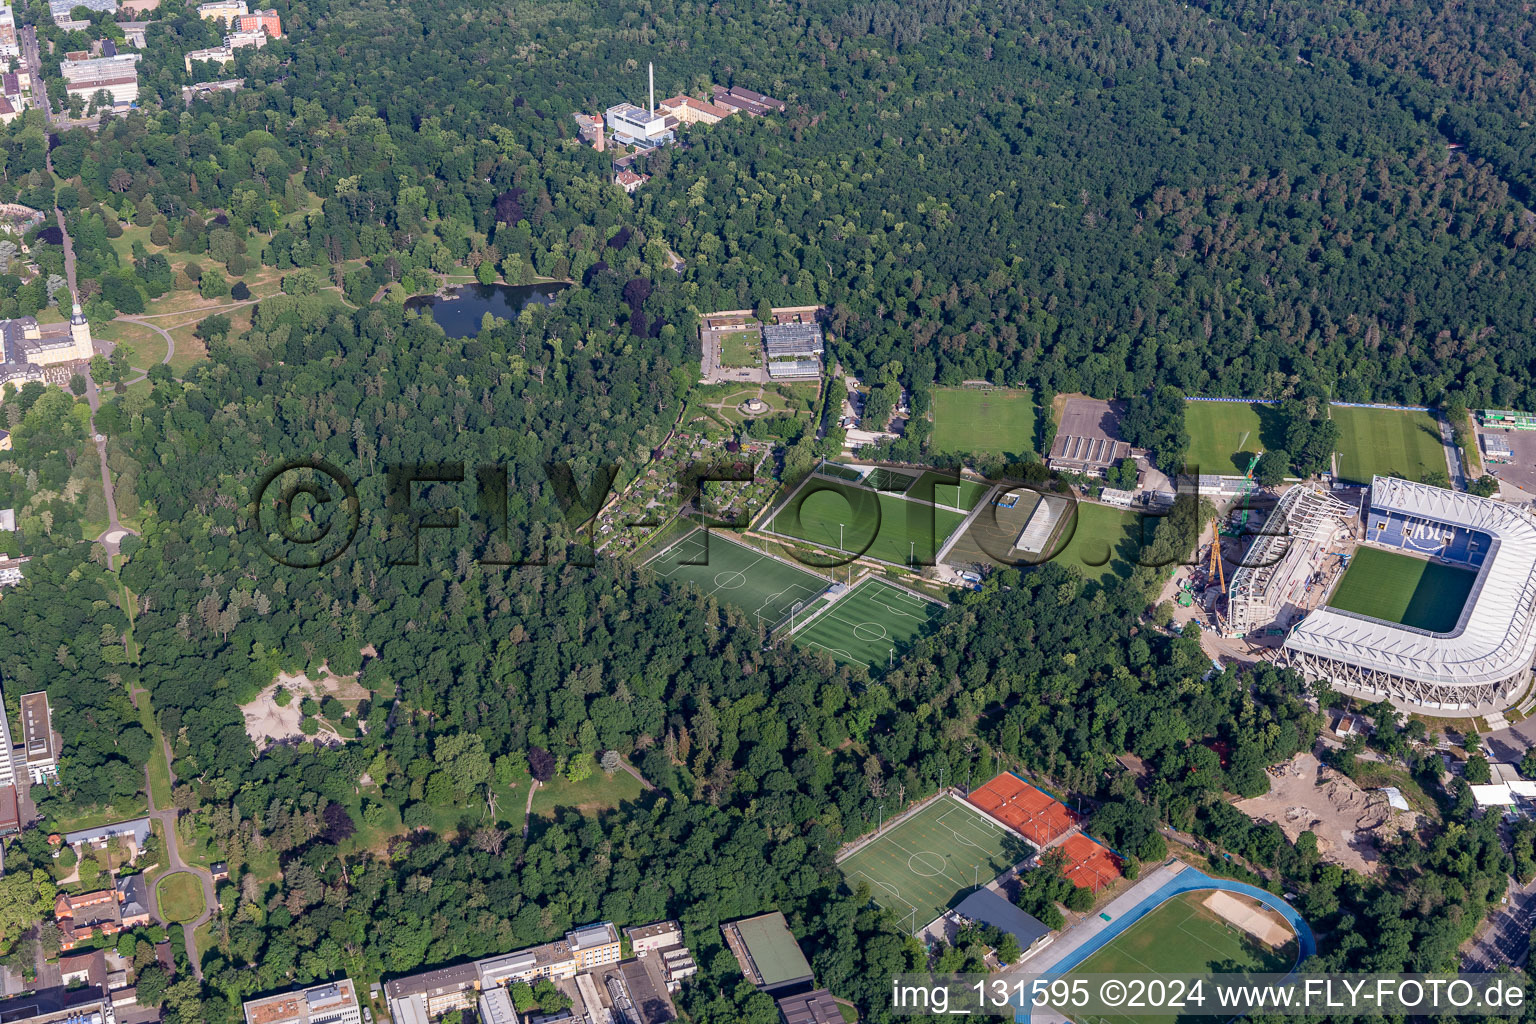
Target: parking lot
[{"x": 1521, "y": 472}]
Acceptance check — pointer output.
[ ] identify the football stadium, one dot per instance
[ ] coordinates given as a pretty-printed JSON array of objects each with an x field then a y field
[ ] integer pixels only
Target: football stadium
[{"x": 1435, "y": 608}]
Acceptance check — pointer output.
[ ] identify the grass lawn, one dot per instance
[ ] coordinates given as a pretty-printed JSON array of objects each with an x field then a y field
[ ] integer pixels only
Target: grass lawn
[
  {"x": 744, "y": 577},
  {"x": 1181, "y": 937},
  {"x": 148, "y": 346},
  {"x": 1103, "y": 540},
  {"x": 742, "y": 348},
  {"x": 1224, "y": 436},
  {"x": 180, "y": 897},
  {"x": 983, "y": 421},
  {"x": 1401, "y": 588},
  {"x": 597, "y": 792},
  {"x": 1387, "y": 442},
  {"x": 870, "y": 625},
  {"x": 929, "y": 862},
  {"x": 866, "y": 523}
]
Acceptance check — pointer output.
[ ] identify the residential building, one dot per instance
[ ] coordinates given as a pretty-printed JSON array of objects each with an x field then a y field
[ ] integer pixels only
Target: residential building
[
  {"x": 8, "y": 110},
  {"x": 95, "y": 1009},
  {"x": 816, "y": 1007},
  {"x": 9, "y": 47},
  {"x": 594, "y": 946},
  {"x": 219, "y": 870},
  {"x": 688, "y": 110},
  {"x": 219, "y": 55},
  {"x": 632, "y": 125},
  {"x": 40, "y": 744},
  {"x": 5, "y": 446},
  {"x": 629, "y": 181},
  {"x": 769, "y": 956},
  {"x": 647, "y": 938},
  {"x": 261, "y": 21},
  {"x": 80, "y": 917},
  {"x": 334, "y": 1002},
  {"x": 118, "y": 76},
  {"x": 132, "y": 900},
  {"x": 224, "y": 10}
]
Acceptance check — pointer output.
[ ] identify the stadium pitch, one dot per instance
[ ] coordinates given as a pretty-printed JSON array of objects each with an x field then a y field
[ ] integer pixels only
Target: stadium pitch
[
  {"x": 1403, "y": 589},
  {"x": 872, "y": 625},
  {"x": 1387, "y": 442},
  {"x": 923, "y": 865},
  {"x": 1181, "y": 937},
  {"x": 740, "y": 576}
]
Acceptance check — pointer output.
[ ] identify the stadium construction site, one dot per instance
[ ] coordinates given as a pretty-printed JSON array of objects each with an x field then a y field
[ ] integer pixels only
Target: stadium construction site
[
  {"x": 1419, "y": 595},
  {"x": 923, "y": 863}
]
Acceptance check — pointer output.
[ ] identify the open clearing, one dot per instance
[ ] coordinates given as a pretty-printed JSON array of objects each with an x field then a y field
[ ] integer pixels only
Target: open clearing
[
  {"x": 1401, "y": 588},
  {"x": 920, "y": 867},
  {"x": 983, "y": 421},
  {"x": 872, "y": 625},
  {"x": 1387, "y": 442}
]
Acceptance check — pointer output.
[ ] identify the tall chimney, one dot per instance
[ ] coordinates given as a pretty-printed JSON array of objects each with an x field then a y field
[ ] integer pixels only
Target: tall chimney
[{"x": 650, "y": 70}]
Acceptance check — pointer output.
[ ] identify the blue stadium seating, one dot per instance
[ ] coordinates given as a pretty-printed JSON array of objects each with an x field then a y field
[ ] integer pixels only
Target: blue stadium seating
[{"x": 1426, "y": 537}]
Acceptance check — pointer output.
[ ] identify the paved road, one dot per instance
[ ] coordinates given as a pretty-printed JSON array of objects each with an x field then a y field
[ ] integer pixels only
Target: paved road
[
  {"x": 1506, "y": 938},
  {"x": 33, "y": 57},
  {"x": 1452, "y": 455},
  {"x": 170, "y": 342}
]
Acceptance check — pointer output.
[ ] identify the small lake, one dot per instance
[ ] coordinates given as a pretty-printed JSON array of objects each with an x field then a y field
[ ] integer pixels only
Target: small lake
[{"x": 459, "y": 315}]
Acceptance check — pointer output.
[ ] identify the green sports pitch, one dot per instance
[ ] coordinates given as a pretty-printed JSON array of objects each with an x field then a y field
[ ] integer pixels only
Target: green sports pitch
[
  {"x": 871, "y": 625},
  {"x": 1401, "y": 588},
  {"x": 983, "y": 421},
  {"x": 1224, "y": 436},
  {"x": 739, "y": 576},
  {"x": 1387, "y": 442},
  {"x": 1181, "y": 937},
  {"x": 1103, "y": 541},
  {"x": 923, "y": 865},
  {"x": 865, "y": 523}
]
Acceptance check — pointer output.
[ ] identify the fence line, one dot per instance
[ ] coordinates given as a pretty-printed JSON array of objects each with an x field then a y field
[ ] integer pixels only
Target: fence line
[{"x": 1342, "y": 405}]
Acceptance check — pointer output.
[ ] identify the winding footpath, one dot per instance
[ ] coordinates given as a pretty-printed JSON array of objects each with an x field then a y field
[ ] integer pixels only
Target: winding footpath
[{"x": 167, "y": 818}]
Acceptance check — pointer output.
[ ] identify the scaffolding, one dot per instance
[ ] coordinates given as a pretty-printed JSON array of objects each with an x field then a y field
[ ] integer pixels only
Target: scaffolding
[{"x": 1304, "y": 520}]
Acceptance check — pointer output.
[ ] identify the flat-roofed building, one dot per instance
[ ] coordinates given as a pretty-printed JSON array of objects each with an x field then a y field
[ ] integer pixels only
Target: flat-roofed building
[
  {"x": 334, "y": 1002},
  {"x": 594, "y": 945},
  {"x": 8, "y": 45},
  {"x": 219, "y": 55},
  {"x": 632, "y": 125},
  {"x": 261, "y": 21},
  {"x": 661, "y": 935},
  {"x": 118, "y": 76},
  {"x": 769, "y": 956},
  {"x": 223, "y": 10},
  {"x": 40, "y": 744},
  {"x": 420, "y": 997},
  {"x": 496, "y": 1007},
  {"x": 96, "y": 1009}
]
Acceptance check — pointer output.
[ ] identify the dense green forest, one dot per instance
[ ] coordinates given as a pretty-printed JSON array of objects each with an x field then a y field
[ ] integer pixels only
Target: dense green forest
[{"x": 1222, "y": 200}]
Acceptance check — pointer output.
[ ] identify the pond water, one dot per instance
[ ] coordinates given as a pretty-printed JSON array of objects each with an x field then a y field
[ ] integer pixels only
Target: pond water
[{"x": 459, "y": 314}]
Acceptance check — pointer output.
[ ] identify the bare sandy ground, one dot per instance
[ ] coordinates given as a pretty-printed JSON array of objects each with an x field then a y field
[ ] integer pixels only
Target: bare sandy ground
[
  {"x": 1263, "y": 925},
  {"x": 1304, "y": 794},
  {"x": 266, "y": 723}
]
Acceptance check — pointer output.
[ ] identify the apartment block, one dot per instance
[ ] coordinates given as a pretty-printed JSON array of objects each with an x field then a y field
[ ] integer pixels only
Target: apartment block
[{"x": 332, "y": 1003}]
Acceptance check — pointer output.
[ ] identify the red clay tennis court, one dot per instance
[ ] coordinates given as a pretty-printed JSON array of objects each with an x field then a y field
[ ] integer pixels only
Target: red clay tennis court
[
  {"x": 1023, "y": 808},
  {"x": 1089, "y": 865}
]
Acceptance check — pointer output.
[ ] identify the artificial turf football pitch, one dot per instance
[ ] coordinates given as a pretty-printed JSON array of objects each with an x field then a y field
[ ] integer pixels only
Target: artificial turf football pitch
[
  {"x": 872, "y": 625},
  {"x": 1400, "y": 588},
  {"x": 743, "y": 577},
  {"x": 920, "y": 867}
]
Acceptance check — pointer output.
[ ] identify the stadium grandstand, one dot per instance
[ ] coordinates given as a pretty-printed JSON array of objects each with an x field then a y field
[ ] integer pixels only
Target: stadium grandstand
[
  {"x": 1041, "y": 525},
  {"x": 1277, "y": 566},
  {"x": 1482, "y": 662}
]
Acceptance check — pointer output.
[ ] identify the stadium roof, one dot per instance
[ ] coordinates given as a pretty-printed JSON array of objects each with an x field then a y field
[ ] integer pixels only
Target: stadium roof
[{"x": 1492, "y": 640}]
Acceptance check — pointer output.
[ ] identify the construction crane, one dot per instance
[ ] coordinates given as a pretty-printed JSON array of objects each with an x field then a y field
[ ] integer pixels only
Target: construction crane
[
  {"x": 1217, "y": 573},
  {"x": 1242, "y": 497}
]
